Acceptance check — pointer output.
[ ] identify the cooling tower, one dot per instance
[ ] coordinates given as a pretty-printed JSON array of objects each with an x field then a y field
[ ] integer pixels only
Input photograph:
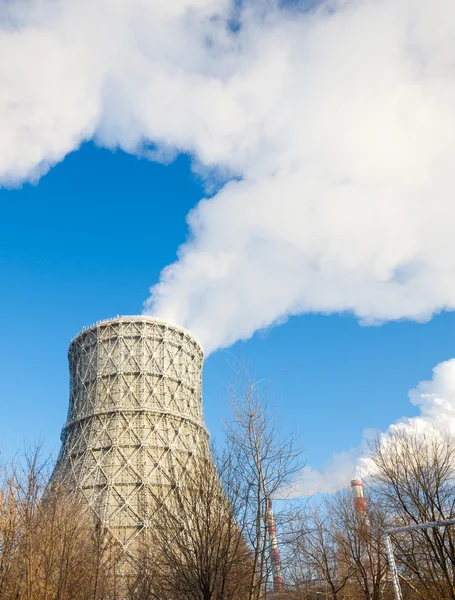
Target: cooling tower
[{"x": 135, "y": 425}]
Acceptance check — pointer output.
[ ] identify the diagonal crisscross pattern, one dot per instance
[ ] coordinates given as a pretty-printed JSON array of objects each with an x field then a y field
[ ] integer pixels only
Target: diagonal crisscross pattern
[{"x": 135, "y": 424}]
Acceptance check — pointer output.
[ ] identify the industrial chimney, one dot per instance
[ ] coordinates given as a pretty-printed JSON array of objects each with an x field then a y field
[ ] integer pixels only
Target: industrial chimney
[
  {"x": 135, "y": 426},
  {"x": 274, "y": 551},
  {"x": 360, "y": 505}
]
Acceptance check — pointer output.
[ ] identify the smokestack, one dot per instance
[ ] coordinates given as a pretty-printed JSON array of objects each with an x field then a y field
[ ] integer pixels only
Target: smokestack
[
  {"x": 274, "y": 552},
  {"x": 360, "y": 504}
]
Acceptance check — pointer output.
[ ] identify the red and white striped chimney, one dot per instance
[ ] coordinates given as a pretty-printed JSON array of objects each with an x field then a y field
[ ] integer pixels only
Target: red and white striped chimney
[
  {"x": 274, "y": 552},
  {"x": 360, "y": 504}
]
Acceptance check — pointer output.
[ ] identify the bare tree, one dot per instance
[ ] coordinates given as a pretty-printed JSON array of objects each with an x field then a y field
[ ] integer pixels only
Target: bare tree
[
  {"x": 413, "y": 471},
  {"x": 335, "y": 553},
  {"x": 25, "y": 484},
  {"x": 317, "y": 567},
  {"x": 264, "y": 463},
  {"x": 195, "y": 550},
  {"x": 52, "y": 547},
  {"x": 10, "y": 534},
  {"x": 361, "y": 544}
]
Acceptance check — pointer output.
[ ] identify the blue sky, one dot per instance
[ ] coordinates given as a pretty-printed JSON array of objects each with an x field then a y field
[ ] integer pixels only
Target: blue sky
[{"x": 87, "y": 242}]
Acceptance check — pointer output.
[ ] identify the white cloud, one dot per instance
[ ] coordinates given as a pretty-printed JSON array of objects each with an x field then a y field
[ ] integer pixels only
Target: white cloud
[
  {"x": 337, "y": 123},
  {"x": 336, "y": 473},
  {"x": 435, "y": 400}
]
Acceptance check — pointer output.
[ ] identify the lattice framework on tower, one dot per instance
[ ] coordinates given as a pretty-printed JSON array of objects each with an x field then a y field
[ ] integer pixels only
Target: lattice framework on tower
[{"x": 135, "y": 426}]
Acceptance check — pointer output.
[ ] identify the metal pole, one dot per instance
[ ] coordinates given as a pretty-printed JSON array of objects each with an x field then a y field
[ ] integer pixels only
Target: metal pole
[
  {"x": 421, "y": 526},
  {"x": 389, "y": 549},
  {"x": 393, "y": 568}
]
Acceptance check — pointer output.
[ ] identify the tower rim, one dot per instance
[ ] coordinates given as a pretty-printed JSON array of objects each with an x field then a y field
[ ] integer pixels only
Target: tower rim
[{"x": 136, "y": 319}]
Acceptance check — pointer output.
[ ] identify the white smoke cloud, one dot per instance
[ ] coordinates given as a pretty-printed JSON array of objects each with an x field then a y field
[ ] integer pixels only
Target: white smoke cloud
[
  {"x": 336, "y": 125},
  {"x": 343, "y": 133},
  {"x": 128, "y": 72},
  {"x": 435, "y": 400}
]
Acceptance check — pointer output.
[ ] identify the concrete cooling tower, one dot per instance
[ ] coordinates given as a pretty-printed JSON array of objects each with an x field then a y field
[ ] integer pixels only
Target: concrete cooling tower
[{"x": 135, "y": 425}]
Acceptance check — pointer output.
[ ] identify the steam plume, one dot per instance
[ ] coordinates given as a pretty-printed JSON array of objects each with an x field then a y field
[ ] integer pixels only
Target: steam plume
[
  {"x": 334, "y": 126},
  {"x": 342, "y": 134}
]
